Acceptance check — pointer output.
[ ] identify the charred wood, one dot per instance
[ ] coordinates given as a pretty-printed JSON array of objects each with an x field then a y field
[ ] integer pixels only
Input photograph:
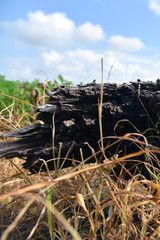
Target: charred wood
[{"x": 73, "y": 112}]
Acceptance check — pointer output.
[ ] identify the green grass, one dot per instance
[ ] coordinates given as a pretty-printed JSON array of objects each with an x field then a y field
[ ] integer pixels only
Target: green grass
[
  {"x": 21, "y": 92},
  {"x": 20, "y": 99}
]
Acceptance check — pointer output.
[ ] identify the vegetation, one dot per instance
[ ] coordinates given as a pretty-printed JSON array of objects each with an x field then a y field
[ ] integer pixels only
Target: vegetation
[
  {"x": 22, "y": 91},
  {"x": 21, "y": 98},
  {"x": 84, "y": 202}
]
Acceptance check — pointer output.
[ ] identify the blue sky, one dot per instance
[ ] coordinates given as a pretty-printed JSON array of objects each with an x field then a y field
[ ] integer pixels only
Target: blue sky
[{"x": 42, "y": 39}]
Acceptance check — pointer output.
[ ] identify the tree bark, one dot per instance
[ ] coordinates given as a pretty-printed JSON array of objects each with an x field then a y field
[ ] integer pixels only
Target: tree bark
[{"x": 71, "y": 118}]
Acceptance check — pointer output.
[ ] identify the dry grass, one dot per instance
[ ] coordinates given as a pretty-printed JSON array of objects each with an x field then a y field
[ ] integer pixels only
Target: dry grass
[
  {"x": 88, "y": 202},
  {"x": 91, "y": 201}
]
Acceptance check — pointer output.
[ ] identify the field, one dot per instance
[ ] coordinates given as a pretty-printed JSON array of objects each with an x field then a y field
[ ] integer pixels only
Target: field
[{"x": 88, "y": 201}]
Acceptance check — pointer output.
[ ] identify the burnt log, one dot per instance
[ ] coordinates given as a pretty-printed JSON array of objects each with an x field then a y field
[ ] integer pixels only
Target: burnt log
[{"x": 71, "y": 118}]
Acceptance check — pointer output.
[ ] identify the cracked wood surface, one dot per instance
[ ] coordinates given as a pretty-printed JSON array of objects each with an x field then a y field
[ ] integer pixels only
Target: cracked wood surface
[{"x": 74, "y": 112}]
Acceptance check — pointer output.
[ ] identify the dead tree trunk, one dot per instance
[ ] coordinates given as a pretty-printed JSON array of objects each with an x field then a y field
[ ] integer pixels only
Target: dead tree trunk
[{"x": 71, "y": 118}]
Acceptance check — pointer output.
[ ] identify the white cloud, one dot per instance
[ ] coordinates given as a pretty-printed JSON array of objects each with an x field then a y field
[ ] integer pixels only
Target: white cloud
[
  {"x": 56, "y": 35},
  {"x": 90, "y": 33},
  {"x": 82, "y": 65},
  {"x": 53, "y": 30},
  {"x": 78, "y": 65},
  {"x": 154, "y": 5},
  {"x": 121, "y": 43}
]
